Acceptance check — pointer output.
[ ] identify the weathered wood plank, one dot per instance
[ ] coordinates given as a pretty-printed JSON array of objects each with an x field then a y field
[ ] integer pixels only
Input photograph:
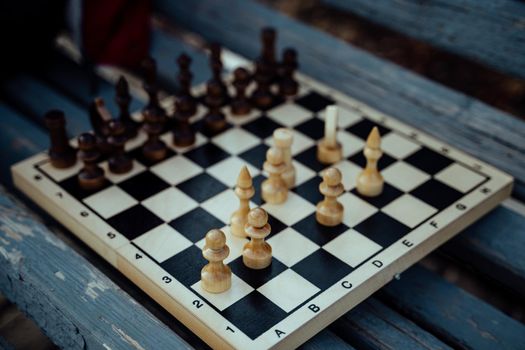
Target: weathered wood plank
[
  {"x": 490, "y": 32},
  {"x": 454, "y": 315},
  {"x": 372, "y": 325},
  {"x": 74, "y": 303},
  {"x": 326, "y": 340},
  {"x": 476, "y": 128}
]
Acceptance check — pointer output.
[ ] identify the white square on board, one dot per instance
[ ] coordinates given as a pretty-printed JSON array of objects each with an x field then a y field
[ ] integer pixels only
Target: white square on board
[
  {"x": 117, "y": 178},
  {"x": 352, "y": 247},
  {"x": 61, "y": 174},
  {"x": 398, "y": 146},
  {"x": 170, "y": 204},
  {"x": 236, "y": 140},
  {"x": 236, "y": 244},
  {"x": 290, "y": 114},
  {"x": 356, "y": 210},
  {"x": 227, "y": 170},
  {"x": 294, "y": 209},
  {"x": 409, "y": 210},
  {"x": 176, "y": 169},
  {"x": 404, "y": 176},
  {"x": 162, "y": 242},
  {"x": 239, "y": 289},
  {"x": 349, "y": 172},
  {"x": 288, "y": 290},
  {"x": 302, "y": 173},
  {"x": 345, "y": 117},
  {"x": 290, "y": 247},
  {"x": 110, "y": 201},
  {"x": 300, "y": 142},
  {"x": 223, "y": 205},
  {"x": 459, "y": 177},
  {"x": 351, "y": 144}
]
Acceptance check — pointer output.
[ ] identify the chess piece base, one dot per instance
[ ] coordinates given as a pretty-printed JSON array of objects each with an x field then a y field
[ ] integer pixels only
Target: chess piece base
[
  {"x": 261, "y": 99},
  {"x": 288, "y": 88},
  {"x": 327, "y": 154},
  {"x": 289, "y": 177},
  {"x": 259, "y": 259},
  {"x": 369, "y": 185},
  {"x": 329, "y": 215},
  {"x": 120, "y": 165},
  {"x": 272, "y": 193},
  {"x": 183, "y": 139},
  {"x": 215, "y": 123},
  {"x": 240, "y": 107},
  {"x": 216, "y": 279},
  {"x": 91, "y": 182},
  {"x": 63, "y": 160},
  {"x": 155, "y": 151},
  {"x": 238, "y": 221}
]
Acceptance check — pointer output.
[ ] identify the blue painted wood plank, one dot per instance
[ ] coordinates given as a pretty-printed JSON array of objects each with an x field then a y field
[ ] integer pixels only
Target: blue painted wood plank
[
  {"x": 490, "y": 32},
  {"x": 485, "y": 132},
  {"x": 73, "y": 302},
  {"x": 372, "y": 325},
  {"x": 326, "y": 340},
  {"x": 454, "y": 315}
]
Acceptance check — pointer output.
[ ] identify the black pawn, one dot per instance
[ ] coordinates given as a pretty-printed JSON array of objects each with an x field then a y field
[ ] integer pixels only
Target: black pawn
[
  {"x": 123, "y": 99},
  {"x": 185, "y": 77},
  {"x": 61, "y": 153},
  {"x": 91, "y": 176},
  {"x": 268, "y": 37},
  {"x": 262, "y": 96},
  {"x": 216, "y": 68},
  {"x": 183, "y": 134},
  {"x": 100, "y": 118},
  {"x": 288, "y": 86},
  {"x": 154, "y": 149},
  {"x": 214, "y": 119},
  {"x": 240, "y": 104},
  {"x": 119, "y": 161},
  {"x": 149, "y": 67}
]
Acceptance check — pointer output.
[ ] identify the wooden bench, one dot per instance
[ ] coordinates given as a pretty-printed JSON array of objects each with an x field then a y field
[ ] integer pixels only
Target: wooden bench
[{"x": 80, "y": 301}]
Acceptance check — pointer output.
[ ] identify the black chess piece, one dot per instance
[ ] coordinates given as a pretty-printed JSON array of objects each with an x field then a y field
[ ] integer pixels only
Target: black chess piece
[
  {"x": 183, "y": 134},
  {"x": 216, "y": 68},
  {"x": 240, "y": 104},
  {"x": 61, "y": 153},
  {"x": 91, "y": 176},
  {"x": 154, "y": 149},
  {"x": 268, "y": 38},
  {"x": 185, "y": 78},
  {"x": 262, "y": 96},
  {"x": 123, "y": 99},
  {"x": 288, "y": 86},
  {"x": 214, "y": 119},
  {"x": 119, "y": 161},
  {"x": 149, "y": 67},
  {"x": 99, "y": 117}
]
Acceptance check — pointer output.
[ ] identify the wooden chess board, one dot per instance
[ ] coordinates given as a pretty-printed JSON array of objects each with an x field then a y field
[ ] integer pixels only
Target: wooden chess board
[{"x": 150, "y": 223}]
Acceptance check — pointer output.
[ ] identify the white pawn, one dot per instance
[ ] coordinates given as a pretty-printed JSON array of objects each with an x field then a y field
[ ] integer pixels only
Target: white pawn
[
  {"x": 215, "y": 276},
  {"x": 283, "y": 139},
  {"x": 244, "y": 190},
  {"x": 257, "y": 254},
  {"x": 273, "y": 189},
  {"x": 370, "y": 182},
  {"x": 329, "y": 212}
]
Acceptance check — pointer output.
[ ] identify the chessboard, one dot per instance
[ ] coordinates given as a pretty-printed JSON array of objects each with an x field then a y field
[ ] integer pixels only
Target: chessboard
[{"x": 150, "y": 222}]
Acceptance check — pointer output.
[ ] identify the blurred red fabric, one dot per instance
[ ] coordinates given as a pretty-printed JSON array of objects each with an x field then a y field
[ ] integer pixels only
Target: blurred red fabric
[{"x": 117, "y": 31}]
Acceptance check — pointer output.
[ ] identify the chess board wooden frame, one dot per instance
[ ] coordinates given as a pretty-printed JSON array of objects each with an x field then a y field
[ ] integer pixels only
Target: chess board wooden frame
[{"x": 323, "y": 309}]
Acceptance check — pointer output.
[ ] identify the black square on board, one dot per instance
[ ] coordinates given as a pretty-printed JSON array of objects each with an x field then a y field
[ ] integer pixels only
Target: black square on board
[
  {"x": 319, "y": 234},
  {"x": 262, "y": 126},
  {"x": 254, "y": 314},
  {"x": 388, "y": 195},
  {"x": 364, "y": 127},
  {"x": 195, "y": 224},
  {"x": 322, "y": 269},
  {"x": 360, "y": 159},
  {"x": 276, "y": 225},
  {"x": 255, "y": 155},
  {"x": 143, "y": 185},
  {"x": 201, "y": 187},
  {"x": 256, "y": 278},
  {"x": 186, "y": 266},
  {"x": 429, "y": 161},
  {"x": 313, "y": 127},
  {"x": 309, "y": 158},
  {"x": 256, "y": 182},
  {"x": 136, "y": 154},
  {"x": 382, "y": 229},
  {"x": 309, "y": 190},
  {"x": 206, "y": 155},
  {"x": 437, "y": 194},
  {"x": 314, "y": 101},
  {"x": 134, "y": 221},
  {"x": 71, "y": 186}
]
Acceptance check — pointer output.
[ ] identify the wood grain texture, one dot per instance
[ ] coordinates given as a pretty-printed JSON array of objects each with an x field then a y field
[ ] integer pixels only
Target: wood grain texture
[
  {"x": 476, "y": 128},
  {"x": 490, "y": 32},
  {"x": 372, "y": 325},
  {"x": 74, "y": 303},
  {"x": 454, "y": 315}
]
